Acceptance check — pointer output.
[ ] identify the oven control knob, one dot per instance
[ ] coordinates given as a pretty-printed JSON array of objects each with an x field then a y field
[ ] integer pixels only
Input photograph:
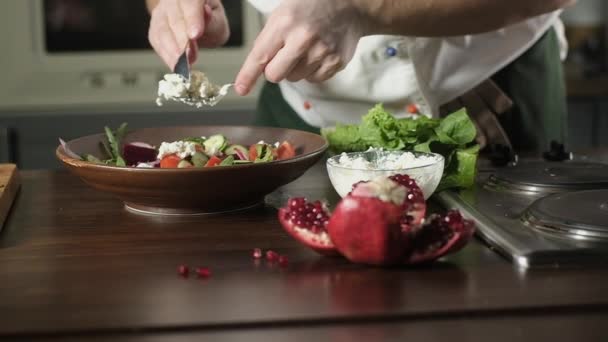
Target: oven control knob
[
  {"x": 557, "y": 152},
  {"x": 501, "y": 155}
]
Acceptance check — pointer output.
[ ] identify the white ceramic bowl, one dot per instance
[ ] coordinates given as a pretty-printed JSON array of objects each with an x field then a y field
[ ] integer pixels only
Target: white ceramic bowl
[{"x": 427, "y": 174}]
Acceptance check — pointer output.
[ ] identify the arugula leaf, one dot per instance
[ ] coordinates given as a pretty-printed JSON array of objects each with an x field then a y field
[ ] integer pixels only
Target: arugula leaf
[
  {"x": 104, "y": 146},
  {"x": 113, "y": 145},
  {"x": 92, "y": 159}
]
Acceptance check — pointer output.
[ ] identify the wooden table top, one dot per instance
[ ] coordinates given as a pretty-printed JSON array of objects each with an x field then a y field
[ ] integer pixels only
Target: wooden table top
[{"x": 75, "y": 264}]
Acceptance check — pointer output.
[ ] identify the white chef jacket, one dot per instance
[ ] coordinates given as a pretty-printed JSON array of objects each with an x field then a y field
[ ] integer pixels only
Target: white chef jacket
[{"x": 425, "y": 72}]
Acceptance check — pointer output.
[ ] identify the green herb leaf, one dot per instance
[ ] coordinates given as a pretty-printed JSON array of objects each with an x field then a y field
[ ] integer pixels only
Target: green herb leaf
[
  {"x": 92, "y": 159},
  {"x": 120, "y": 161},
  {"x": 456, "y": 129},
  {"x": 114, "y": 144},
  {"x": 196, "y": 140}
]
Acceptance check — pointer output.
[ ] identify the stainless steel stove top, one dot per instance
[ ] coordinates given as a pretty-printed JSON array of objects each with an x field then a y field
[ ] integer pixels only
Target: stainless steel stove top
[{"x": 540, "y": 213}]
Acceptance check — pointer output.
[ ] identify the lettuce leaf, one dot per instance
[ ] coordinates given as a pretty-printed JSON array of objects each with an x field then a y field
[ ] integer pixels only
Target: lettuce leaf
[
  {"x": 453, "y": 137},
  {"x": 457, "y": 129},
  {"x": 461, "y": 171}
]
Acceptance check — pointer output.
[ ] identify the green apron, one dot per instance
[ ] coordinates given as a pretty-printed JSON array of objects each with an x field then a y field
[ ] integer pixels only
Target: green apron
[
  {"x": 273, "y": 111},
  {"x": 534, "y": 82}
]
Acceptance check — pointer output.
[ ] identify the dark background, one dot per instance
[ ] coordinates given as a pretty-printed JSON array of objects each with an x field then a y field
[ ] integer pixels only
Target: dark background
[{"x": 111, "y": 25}]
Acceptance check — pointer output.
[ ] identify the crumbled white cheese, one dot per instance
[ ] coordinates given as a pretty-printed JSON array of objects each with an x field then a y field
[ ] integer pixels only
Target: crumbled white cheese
[
  {"x": 145, "y": 165},
  {"x": 183, "y": 149},
  {"x": 275, "y": 145},
  {"x": 211, "y": 150},
  {"x": 195, "y": 92},
  {"x": 386, "y": 161}
]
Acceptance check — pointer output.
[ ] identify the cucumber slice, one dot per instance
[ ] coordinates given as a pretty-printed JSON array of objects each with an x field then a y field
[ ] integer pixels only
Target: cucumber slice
[
  {"x": 215, "y": 144},
  {"x": 240, "y": 152},
  {"x": 264, "y": 153},
  {"x": 199, "y": 159},
  {"x": 228, "y": 161},
  {"x": 242, "y": 162},
  {"x": 184, "y": 164}
]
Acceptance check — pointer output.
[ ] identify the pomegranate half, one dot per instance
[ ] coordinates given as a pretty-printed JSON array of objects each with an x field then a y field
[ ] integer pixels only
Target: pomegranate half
[{"x": 380, "y": 222}]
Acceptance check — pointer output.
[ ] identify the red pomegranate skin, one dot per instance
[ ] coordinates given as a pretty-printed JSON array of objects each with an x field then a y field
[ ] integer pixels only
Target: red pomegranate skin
[
  {"x": 368, "y": 230},
  {"x": 301, "y": 207}
]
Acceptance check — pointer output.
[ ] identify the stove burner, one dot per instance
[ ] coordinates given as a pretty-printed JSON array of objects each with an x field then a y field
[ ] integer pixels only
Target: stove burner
[
  {"x": 539, "y": 177},
  {"x": 579, "y": 215}
]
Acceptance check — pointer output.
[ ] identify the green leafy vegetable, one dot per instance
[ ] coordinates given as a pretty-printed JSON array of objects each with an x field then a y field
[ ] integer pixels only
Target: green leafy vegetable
[
  {"x": 196, "y": 140},
  {"x": 453, "y": 137},
  {"x": 92, "y": 159},
  {"x": 461, "y": 171},
  {"x": 114, "y": 140},
  {"x": 112, "y": 147},
  {"x": 456, "y": 129}
]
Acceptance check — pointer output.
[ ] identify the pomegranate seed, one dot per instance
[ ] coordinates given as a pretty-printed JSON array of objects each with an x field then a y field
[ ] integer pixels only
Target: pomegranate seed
[
  {"x": 203, "y": 272},
  {"x": 257, "y": 253},
  {"x": 296, "y": 202},
  {"x": 272, "y": 256},
  {"x": 283, "y": 260},
  {"x": 183, "y": 270}
]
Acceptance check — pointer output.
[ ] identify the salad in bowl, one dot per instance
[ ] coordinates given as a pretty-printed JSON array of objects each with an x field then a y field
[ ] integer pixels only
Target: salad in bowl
[
  {"x": 190, "y": 152},
  {"x": 191, "y": 169}
]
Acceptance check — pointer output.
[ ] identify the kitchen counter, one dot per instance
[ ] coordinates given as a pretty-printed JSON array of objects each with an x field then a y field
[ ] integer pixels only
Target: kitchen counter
[{"x": 75, "y": 265}]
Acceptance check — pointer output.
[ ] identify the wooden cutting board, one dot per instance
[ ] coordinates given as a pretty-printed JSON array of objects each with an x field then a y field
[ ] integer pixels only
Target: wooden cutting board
[{"x": 9, "y": 185}]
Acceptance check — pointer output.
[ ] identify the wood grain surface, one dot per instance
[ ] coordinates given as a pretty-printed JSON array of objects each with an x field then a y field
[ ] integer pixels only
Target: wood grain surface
[
  {"x": 9, "y": 185},
  {"x": 74, "y": 263}
]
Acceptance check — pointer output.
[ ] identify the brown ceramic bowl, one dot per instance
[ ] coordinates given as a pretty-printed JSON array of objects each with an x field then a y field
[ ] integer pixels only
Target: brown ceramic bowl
[{"x": 195, "y": 190}]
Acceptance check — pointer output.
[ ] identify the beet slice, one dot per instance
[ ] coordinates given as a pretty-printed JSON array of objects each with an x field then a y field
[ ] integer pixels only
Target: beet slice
[{"x": 138, "y": 152}]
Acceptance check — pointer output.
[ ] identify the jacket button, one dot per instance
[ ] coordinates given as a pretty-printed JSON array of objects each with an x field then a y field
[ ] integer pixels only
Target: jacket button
[{"x": 391, "y": 51}]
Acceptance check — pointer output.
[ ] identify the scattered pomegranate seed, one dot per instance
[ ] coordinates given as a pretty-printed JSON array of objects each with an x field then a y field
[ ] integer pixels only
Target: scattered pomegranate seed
[
  {"x": 272, "y": 256},
  {"x": 307, "y": 105},
  {"x": 257, "y": 253},
  {"x": 283, "y": 260},
  {"x": 203, "y": 272},
  {"x": 183, "y": 270}
]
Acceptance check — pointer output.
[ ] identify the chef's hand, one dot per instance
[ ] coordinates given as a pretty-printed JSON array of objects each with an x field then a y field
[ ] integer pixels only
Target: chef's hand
[
  {"x": 175, "y": 22},
  {"x": 310, "y": 40}
]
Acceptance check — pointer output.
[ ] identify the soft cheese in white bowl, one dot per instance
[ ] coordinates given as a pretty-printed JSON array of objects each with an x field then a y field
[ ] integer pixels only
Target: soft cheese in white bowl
[{"x": 347, "y": 169}]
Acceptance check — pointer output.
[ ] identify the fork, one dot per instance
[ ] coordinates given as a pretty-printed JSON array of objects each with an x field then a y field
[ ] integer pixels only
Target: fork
[{"x": 182, "y": 67}]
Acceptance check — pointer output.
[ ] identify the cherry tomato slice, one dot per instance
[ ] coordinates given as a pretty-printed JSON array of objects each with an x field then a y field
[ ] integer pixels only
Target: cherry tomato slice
[
  {"x": 252, "y": 152},
  {"x": 213, "y": 161},
  {"x": 170, "y": 161},
  {"x": 286, "y": 151}
]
